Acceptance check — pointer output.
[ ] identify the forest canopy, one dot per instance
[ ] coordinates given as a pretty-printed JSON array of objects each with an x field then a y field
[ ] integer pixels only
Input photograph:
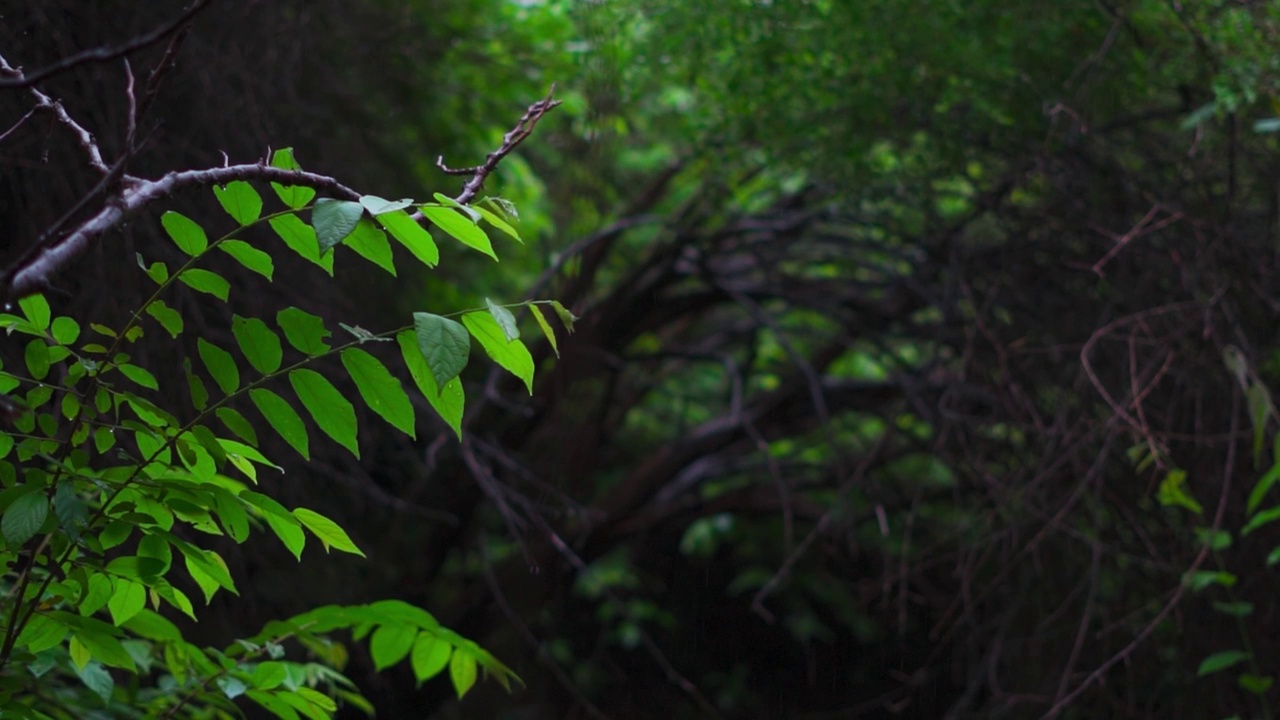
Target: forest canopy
[{"x": 920, "y": 360}]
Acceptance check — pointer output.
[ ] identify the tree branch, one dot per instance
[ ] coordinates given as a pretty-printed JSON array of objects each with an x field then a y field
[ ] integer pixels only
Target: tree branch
[
  {"x": 513, "y": 138},
  {"x": 33, "y": 272},
  {"x": 18, "y": 79}
]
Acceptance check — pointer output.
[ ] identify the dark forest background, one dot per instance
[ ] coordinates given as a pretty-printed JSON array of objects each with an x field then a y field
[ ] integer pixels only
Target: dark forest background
[{"x": 900, "y": 371}]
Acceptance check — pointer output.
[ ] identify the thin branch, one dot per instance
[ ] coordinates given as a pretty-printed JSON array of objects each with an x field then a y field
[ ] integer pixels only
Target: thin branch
[
  {"x": 495, "y": 589},
  {"x": 18, "y": 79},
  {"x": 1097, "y": 675},
  {"x": 35, "y": 270},
  {"x": 513, "y": 138}
]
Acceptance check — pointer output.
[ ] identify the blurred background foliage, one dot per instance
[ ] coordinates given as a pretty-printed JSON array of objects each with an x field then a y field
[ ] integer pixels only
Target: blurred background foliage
[{"x": 896, "y": 317}]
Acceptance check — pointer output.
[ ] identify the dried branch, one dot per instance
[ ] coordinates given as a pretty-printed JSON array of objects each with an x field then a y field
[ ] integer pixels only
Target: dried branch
[
  {"x": 513, "y": 138},
  {"x": 18, "y": 79}
]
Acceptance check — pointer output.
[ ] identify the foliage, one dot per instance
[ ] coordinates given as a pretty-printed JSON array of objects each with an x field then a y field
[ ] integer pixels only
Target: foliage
[{"x": 106, "y": 484}]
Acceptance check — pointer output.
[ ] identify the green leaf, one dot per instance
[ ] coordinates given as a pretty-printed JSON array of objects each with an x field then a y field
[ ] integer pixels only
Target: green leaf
[
  {"x": 448, "y": 401},
  {"x": 240, "y": 201},
  {"x": 273, "y": 704},
  {"x": 411, "y": 235},
  {"x": 462, "y": 671},
  {"x": 1267, "y": 480},
  {"x": 295, "y": 196},
  {"x": 36, "y": 308},
  {"x": 429, "y": 656},
  {"x": 158, "y": 272},
  {"x": 280, "y": 520},
  {"x": 168, "y": 318},
  {"x": 139, "y": 376},
  {"x": 504, "y": 318},
  {"x": 381, "y": 391},
  {"x": 390, "y": 644},
  {"x": 444, "y": 344},
  {"x": 510, "y": 354},
  {"x": 80, "y": 655},
  {"x": 127, "y": 599},
  {"x": 23, "y": 517},
  {"x": 238, "y": 424},
  {"x": 301, "y": 238},
  {"x": 545, "y": 327},
  {"x": 220, "y": 364},
  {"x": 206, "y": 282},
  {"x": 379, "y": 206},
  {"x": 232, "y": 513},
  {"x": 70, "y": 509},
  {"x": 1202, "y": 579},
  {"x": 334, "y": 220},
  {"x": 329, "y": 532},
  {"x": 65, "y": 330},
  {"x": 41, "y": 633},
  {"x": 566, "y": 317},
  {"x": 105, "y": 649},
  {"x": 259, "y": 344},
  {"x": 199, "y": 395},
  {"x": 1234, "y": 609},
  {"x": 36, "y": 357},
  {"x": 1273, "y": 557},
  {"x": 153, "y": 626},
  {"x": 186, "y": 234},
  {"x": 1260, "y": 519},
  {"x": 1173, "y": 492},
  {"x": 303, "y": 330},
  {"x": 208, "y": 563},
  {"x": 495, "y": 220},
  {"x": 97, "y": 594},
  {"x": 96, "y": 678},
  {"x": 371, "y": 243},
  {"x": 1256, "y": 684},
  {"x": 283, "y": 419},
  {"x": 248, "y": 256},
  {"x": 331, "y": 411},
  {"x": 460, "y": 228}
]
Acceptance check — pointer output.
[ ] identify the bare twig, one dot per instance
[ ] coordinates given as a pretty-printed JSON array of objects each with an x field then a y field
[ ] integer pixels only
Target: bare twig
[
  {"x": 18, "y": 79},
  {"x": 495, "y": 589},
  {"x": 513, "y": 138},
  {"x": 1097, "y": 675}
]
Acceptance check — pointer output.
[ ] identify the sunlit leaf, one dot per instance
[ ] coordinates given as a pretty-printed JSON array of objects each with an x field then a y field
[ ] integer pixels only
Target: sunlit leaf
[
  {"x": 460, "y": 228},
  {"x": 221, "y": 366},
  {"x": 411, "y": 235},
  {"x": 429, "y": 656},
  {"x": 448, "y": 401},
  {"x": 259, "y": 344},
  {"x": 331, "y": 411},
  {"x": 371, "y": 244},
  {"x": 329, "y": 533},
  {"x": 390, "y": 644},
  {"x": 206, "y": 281},
  {"x": 301, "y": 238},
  {"x": 295, "y": 196},
  {"x": 282, "y": 418},
  {"x": 510, "y": 354},
  {"x": 186, "y": 234},
  {"x": 249, "y": 256},
  {"x": 240, "y": 201},
  {"x": 380, "y": 389},
  {"x": 304, "y": 331}
]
